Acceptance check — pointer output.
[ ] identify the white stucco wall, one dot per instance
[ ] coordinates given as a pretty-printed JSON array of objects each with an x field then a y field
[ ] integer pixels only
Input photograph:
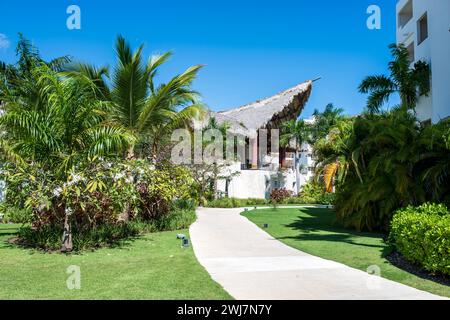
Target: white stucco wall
[{"x": 435, "y": 50}]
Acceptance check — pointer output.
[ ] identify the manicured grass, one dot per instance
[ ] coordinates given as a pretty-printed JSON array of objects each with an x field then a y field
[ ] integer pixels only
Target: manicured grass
[
  {"x": 152, "y": 267},
  {"x": 314, "y": 231}
]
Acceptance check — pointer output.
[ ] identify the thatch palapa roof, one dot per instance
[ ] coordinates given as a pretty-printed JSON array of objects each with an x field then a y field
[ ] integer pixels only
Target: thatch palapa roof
[
  {"x": 271, "y": 112},
  {"x": 268, "y": 113}
]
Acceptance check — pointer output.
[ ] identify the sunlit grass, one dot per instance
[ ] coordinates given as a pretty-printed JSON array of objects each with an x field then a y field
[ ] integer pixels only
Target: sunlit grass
[
  {"x": 314, "y": 231},
  {"x": 152, "y": 267}
]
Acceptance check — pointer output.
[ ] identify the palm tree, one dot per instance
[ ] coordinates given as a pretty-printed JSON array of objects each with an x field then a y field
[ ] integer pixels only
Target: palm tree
[
  {"x": 293, "y": 130},
  {"x": 323, "y": 121},
  {"x": 409, "y": 83},
  {"x": 68, "y": 126},
  {"x": 338, "y": 153},
  {"x": 18, "y": 76},
  {"x": 147, "y": 110}
]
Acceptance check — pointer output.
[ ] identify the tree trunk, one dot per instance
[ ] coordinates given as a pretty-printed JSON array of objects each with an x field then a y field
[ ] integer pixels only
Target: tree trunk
[
  {"x": 154, "y": 152},
  {"x": 130, "y": 152},
  {"x": 125, "y": 215},
  {"x": 67, "y": 244}
]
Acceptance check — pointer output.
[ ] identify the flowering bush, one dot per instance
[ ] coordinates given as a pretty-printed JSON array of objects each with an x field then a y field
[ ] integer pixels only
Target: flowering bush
[
  {"x": 279, "y": 195},
  {"x": 95, "y": 194}
]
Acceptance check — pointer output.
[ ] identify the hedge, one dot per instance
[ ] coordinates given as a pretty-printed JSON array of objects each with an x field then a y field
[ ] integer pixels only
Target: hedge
[{"x": 422, "y": 235}]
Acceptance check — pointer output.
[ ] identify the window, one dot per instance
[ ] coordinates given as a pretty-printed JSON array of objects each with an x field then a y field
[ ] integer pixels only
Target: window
[
  {"x": 405, "y": 14},
  {"x": 422, "y": 29}
]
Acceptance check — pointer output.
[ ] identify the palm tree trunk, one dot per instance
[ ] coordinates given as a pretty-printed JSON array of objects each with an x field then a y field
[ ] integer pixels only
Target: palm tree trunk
[
  {"x": 67, "y": 244},
  {"x": 130, "y": 152},
  {"x": 154, "y": 152}
]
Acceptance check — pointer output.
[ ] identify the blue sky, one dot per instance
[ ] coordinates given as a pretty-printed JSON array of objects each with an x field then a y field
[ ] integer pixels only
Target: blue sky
[{"x": 251, "y": 49}]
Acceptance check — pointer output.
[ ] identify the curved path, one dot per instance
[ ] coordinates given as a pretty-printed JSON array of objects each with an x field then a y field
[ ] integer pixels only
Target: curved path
[{"x": 252, "y": 265}]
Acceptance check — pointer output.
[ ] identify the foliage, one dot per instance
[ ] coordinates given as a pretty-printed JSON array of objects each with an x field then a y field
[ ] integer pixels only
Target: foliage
[
  {"x": 294, "y": 130},
  {"x": 323, "y": 121},
  {"x": 409, "y": 83},
  {"x": 422, "y": 235},
  {"x": 206, "y": 174},
  {"x": 99, "y": 196},
  {"x": 58, "y": 122},
  {"x": 385, "y": 162},
  {"x": 10, "y": 214},
  {"x": 312, "y": 193},
  {"x": 279, "y": 195},
  {"x": 235, "y": 203},
  {"x": 148, "y": 110},
  {"x": 64, "y": 131},
  {"x": 48, "y": 237}
]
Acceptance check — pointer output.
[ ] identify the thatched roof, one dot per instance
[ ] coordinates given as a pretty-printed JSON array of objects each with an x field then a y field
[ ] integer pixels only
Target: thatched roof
[
  {"x": 267, "y": 113},
  {"x": 270, "y": 112}
]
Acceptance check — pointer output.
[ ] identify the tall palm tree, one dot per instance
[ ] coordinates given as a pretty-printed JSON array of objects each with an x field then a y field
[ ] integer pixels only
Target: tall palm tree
[
  {"x": 147, "y": 110},
  {"x": 18, "y": 76},
  {"x": 323, "y": 121},
  {"x": 338, "y": 153},
  {"x": 409, "y": 83},
  {"x": 67, "y": 126},
  {"x": 298, "y": 131}
]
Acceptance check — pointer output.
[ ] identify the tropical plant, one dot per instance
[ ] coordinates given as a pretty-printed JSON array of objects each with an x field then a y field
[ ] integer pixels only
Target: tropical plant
[
  {"x": 61, "y": 126},
  {"x": 149, "y": 111},
  {"x": 293, "y": 130},
  {"x": 409, "y": 83},
  {"x": 323, "y": 121},
  {"x": 421, "y": 234}
]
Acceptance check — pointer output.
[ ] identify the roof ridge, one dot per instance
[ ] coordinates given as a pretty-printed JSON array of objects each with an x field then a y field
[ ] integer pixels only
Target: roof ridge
[{"x": 260, "y": 101}]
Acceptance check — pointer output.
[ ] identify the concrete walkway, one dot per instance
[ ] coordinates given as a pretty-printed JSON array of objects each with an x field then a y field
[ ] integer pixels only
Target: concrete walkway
[{"x": 250, "y": 264}]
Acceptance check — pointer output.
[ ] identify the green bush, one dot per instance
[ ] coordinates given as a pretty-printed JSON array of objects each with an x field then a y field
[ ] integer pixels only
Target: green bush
[
  {"x": 325, "y": 198},
  {"x": 279, "y": 195},
  {"x": 14, "y": 215},
  {"x": 48, "y": 237},
  {"x": 236, "y": 203},
  {"x": 422, "y": 235}
]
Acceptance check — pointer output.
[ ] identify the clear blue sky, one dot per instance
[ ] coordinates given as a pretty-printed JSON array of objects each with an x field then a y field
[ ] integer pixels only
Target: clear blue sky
[{"x": 251, "y": 49}]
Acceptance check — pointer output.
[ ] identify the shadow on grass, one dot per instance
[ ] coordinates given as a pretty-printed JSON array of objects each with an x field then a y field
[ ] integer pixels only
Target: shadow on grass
[
  {"x": 317, "y": 224},
  {"x": 11, "y": 241}
]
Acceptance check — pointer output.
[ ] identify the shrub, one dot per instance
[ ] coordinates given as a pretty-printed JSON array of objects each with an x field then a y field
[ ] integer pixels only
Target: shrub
[
  {"x": 422, "y": 235},
  {"x": 235, "y": 203},
  {"x": 279, "y": 195},
  {"x": 14, "y": 215},
  {"x": 94, "y": 197},
  {"x": 48, "y": 237}
]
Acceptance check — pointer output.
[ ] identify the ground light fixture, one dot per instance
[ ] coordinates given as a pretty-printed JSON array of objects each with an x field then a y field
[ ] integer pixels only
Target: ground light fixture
[
  {"x": 184, "y": 242},
  {"x": 265, "y": 225}
]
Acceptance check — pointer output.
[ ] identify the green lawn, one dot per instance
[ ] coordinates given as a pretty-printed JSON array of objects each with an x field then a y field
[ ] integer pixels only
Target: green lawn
[
  {"x": 152, "y": 267},
  {"x": 314, "y": 231}
]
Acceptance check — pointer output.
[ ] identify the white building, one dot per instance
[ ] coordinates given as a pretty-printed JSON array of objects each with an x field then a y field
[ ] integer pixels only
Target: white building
[
  {"x": 423, "y": 26},
  {"x": 261, "y": 172}
]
